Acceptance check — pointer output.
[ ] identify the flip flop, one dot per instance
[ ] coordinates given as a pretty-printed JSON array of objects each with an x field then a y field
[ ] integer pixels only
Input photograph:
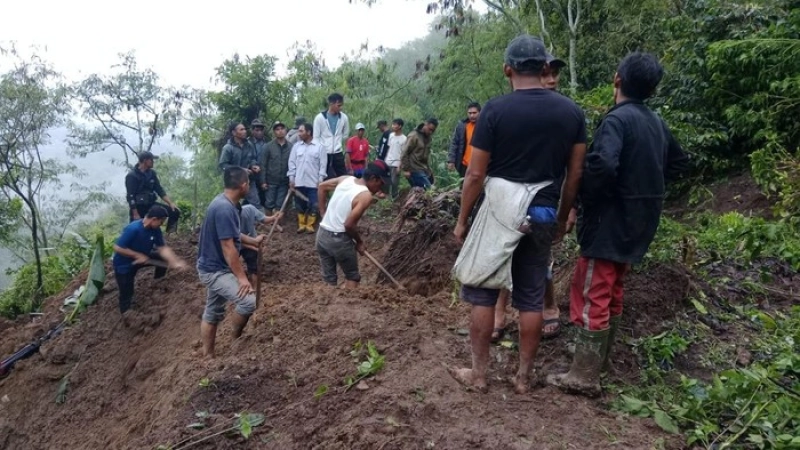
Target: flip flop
[
  {"x": 500, "y": 332},
  {"x": 551, "y": 334}
]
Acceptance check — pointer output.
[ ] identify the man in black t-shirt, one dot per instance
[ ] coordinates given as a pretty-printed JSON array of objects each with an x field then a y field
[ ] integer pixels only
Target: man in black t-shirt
[{"x": 523, "y": 141}]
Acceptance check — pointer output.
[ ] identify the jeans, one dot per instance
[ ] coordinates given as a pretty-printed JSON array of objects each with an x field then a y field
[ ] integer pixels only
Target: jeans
[
  {"x": 420, "y": 179},
  {"x": 172, "y": 220},
  {"x": 306, "y": 207},
  {"x": 275, "y": 195},
  {"x": 336, "y": 165},
  {"x": 125, "y": 282}
]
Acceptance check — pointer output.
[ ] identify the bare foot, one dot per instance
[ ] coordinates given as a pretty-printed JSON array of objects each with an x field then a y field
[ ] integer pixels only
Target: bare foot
[
  {"x": 465, "y": 377},
  {"x": 521, "y": 384}
]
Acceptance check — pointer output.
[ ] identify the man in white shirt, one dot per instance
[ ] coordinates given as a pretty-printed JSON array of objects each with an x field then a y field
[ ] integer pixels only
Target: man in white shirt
[
  {"x": 395, "y": 143},
  {"x": 307, "y": 169},
  {"x": 331, "y": 127}
]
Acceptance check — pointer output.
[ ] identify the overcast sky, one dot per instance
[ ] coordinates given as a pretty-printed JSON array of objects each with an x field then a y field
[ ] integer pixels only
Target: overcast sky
[{"x": 183, "y": 41}]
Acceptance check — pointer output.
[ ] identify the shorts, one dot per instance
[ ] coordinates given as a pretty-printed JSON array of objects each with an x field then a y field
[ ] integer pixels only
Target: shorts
[
  {"x": 530, "y": 265},
  {"x": 337, "y": 248},
  {"x": 223, "y": 287},
  {"x": 250, "y": 257}
]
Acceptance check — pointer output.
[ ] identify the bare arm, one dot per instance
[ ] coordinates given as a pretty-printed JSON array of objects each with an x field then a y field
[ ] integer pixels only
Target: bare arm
[
  {"x": 473, "y": 185},
  {"x": 170, "y": 257},
  {"x": 232, "y": 258},
  {"x": 322, "y": 193},
  {"x": 138, "y": 258},
  {"x": 572, "y": 183},
  {"x": 360, "y": 204}
]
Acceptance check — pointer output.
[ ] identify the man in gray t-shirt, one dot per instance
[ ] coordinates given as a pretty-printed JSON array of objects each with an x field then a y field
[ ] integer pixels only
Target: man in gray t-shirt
[{"x": 249, "y": 217}]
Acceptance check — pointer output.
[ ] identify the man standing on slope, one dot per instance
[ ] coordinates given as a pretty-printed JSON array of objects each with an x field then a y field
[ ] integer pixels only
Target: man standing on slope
[
  {"x": 523, "y": 142},
  {"x": 307, "y": 164},
  {"x": 275, "y": 162},
  {"x": 259, "y": 143},
  {"x": 249, "y": 218},
  {"x": 239, "y": 152},
  {"x": 460, "y": 148},
  {"x": 632, "y": 157},
  {"x": 383, "y": 144},
  {"x": 142, "y": 186},
  {"x": 331, "y": 127},
  {"x": 141, "y": 242},
  {"x": 218, "y": 263},
  {"x": 414, "y": 162},
  {"x": 291, "y": 136},
  {"x": 395, "y": 143},
  {"x": 358, "y": 151},
  {"x": 338, "y": 238}
]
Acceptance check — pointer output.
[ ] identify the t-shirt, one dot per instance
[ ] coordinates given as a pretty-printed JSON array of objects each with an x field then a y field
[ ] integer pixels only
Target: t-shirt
[
  {"x": 222, "y": 222},
  {"x": 139, "y": 239},
  {"x": 530, "y": 134},
  {"x": 249, "y": 218},
  {"x": 396, "y": 144},
  {"x": 333, "y": 120},
  {"x": 470, "y": 129},
  {"x": 358, "y": 148}
]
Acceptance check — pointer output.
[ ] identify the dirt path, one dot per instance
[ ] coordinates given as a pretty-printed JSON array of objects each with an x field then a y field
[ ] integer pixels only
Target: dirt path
[{"x": 135, "y": 382}]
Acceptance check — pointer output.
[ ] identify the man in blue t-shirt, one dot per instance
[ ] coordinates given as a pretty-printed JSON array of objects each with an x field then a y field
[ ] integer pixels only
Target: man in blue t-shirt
[
  {"x": 218, "y": 264},
  {"x": 250, "y": 216},
  {"x": 140, "y": 243}
]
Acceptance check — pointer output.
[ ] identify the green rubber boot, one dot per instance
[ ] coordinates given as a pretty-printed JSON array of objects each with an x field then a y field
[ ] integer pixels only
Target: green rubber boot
[
  {"x": 584, "y": 374},
  {"x": 613, "y": 326}
]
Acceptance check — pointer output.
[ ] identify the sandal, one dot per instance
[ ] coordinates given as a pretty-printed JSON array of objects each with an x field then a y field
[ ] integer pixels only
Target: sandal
[
  {"x": 554, "y": 332},
  {"x": 498, "y": 334}
]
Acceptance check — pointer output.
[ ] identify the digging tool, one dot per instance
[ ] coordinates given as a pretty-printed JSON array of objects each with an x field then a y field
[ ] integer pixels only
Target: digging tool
[
  {"x": 157, "y": 263},
  {"x": 283, "y": 208},
  {"x": 299, "y": 195},
  {"x": 258, "y": 274},
  {"x": 383, "y": 269}
]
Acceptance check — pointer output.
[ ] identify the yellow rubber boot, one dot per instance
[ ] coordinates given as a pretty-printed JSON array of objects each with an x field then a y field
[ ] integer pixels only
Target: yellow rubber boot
[
  {"x": 310, "y": 220},
  {"x": 301, "y": 222}
]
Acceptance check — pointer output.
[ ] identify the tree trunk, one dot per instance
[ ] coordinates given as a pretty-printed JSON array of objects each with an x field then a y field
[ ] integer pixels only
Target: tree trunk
[
  {"x": 39, "y": 293},
  {"x": 573, "y": 70}
]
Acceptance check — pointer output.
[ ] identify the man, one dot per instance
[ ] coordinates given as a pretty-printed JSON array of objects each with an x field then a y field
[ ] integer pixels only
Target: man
[
  {"x": 358, "y": 151},
  {"x": 338, "y": 238},
  {"x": 523, "y": 141},
  {"x": 632, "y": 158},
  {"x": 548, "y": 196},
  {"x": 292, "y": 135},
  {"x": 307, "y": 169},
  {"x": 218, "y": 264},
  {"x": 415, "y": 155},
  {"x": 460, "y": 148},
  {"x": 140, "y": 243},
  {"x": 330, "y": 129},
  {"x": 259, "y": 142},
  {"x": 142, "y": 186},
  {"x": 275, "y": 162},
  {"x": 239, "y": 152},
  {"x": 395, "y": 143},
  {"x": 383, "y": 143},
  {"x": 249, "y": 217}
]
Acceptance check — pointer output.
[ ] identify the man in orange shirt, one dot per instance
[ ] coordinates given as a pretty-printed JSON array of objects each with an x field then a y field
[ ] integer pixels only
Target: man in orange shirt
[
  {"x": 460, "y": 148},
  {"x": 358, "y": 149}
]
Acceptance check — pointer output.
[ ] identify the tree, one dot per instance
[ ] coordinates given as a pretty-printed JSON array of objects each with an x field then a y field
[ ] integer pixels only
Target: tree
[
  {"x": 129, "y": 109},
  {"x": 32, "y": 100}
]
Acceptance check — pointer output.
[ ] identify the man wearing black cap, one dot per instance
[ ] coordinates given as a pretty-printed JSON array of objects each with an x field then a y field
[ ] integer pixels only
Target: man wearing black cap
[
  {"x": 292, "y": 136},
  {"x": 142, "y": 187},
  {"x": 275, "y": 162},
  {"x": 258, "y": 141},
  {"x": 523, "y": 142},
  {"x": 141, "y": 242},
  {"x": 338, "y": 238},
  {"x": 383, "y": 144}
]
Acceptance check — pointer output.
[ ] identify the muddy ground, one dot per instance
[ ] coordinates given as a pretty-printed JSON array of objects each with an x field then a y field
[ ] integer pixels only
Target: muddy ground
[{"x": 137, "y": 382}]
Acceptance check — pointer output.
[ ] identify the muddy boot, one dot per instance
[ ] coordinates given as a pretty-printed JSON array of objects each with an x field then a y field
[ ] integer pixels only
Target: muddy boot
[
  {"x": 311, "y": 219},
  {"x": 301, "y": 222},
  {"x": 584, "y": 375},
  {"x": 613, "y": 326}
]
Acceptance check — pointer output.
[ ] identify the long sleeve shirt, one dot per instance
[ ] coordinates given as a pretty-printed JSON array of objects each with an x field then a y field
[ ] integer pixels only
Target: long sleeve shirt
[
  {"x": 235, "y": 155},
  {"x": 141, "y": 184},
  {"x": 275, "y": 163},
  {"x": 308, "y": 164},
  {"x": 416, "y": 152},
  {"x": 328, "y": 138}
]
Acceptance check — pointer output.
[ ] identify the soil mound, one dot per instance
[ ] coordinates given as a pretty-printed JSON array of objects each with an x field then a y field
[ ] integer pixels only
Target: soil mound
[{"x": 136, "y": 381}]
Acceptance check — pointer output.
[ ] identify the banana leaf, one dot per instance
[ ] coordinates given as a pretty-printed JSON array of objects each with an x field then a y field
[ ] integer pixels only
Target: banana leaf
[{"x": 94, "y": 282}]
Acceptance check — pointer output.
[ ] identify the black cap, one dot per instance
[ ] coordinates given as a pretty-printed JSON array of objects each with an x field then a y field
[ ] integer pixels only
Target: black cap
[
  {"x": 299, "y": 120},
  {"x": 382, "y": 123},
  {"x": 378, "y": 168},
  {"x": 144, "y": 156},
  {"x": 525, "y": 49},
  {"x": 277, "y": 124},
  {"x": 157, "y": 212},
  {"x": 554, "y": 62},
  {"x": 256, "y": 123}
]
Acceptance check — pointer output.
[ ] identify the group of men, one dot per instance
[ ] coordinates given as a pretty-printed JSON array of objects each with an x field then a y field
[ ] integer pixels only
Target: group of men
[{"x": 528, "y": 178}]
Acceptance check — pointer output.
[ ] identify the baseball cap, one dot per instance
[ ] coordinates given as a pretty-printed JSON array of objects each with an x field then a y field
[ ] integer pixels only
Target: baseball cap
[
  {"x": 157, "y": 212},
  {"x": 256, "y": 123},
  {"x": 360, "y": 126},
  {"x": 554, "y": 62},
  {"x": 525, "y": 49},
  {"x": 277, "y": 124},
  {"x": 299, "y": 120},
  {"x": 144, "y": 156},
  {"x": 378, "y": 168}
]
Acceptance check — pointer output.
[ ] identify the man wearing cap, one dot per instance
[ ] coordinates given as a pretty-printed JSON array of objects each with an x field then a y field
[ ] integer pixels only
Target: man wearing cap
[
  {"x": 523, "y": 142},
  {"x": 460, "y": 148},
  {"x": 275, "y": 161},
  {"x": 331, "y": 127},
  {"x": 338, "y": 238},
  {"x": 414, "y": 161},
  {"x": 291, "y": 136},
  {"x": 307, "y": 169},
  {"x": 358, "y": 151},
  {"x": 383, "y": 144},
  {"x": 140, "y": 243},
  {"x": 142, "y": 188},
  {"x": 258, "y": 141},
  {"x": 239, "y": 152}
]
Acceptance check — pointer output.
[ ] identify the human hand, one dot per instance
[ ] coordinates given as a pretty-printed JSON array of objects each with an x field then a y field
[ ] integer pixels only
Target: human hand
[
  {"x": 561, "y": 230},
  {"x": 361, "y": 249},
  {"x": 460, "y": 232},
  {"x": 141, "y": 259},
  {"x": 572, "y": 219},
  {"x": 245, "y": 288},
  {"x": 135, "y": 214}
]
